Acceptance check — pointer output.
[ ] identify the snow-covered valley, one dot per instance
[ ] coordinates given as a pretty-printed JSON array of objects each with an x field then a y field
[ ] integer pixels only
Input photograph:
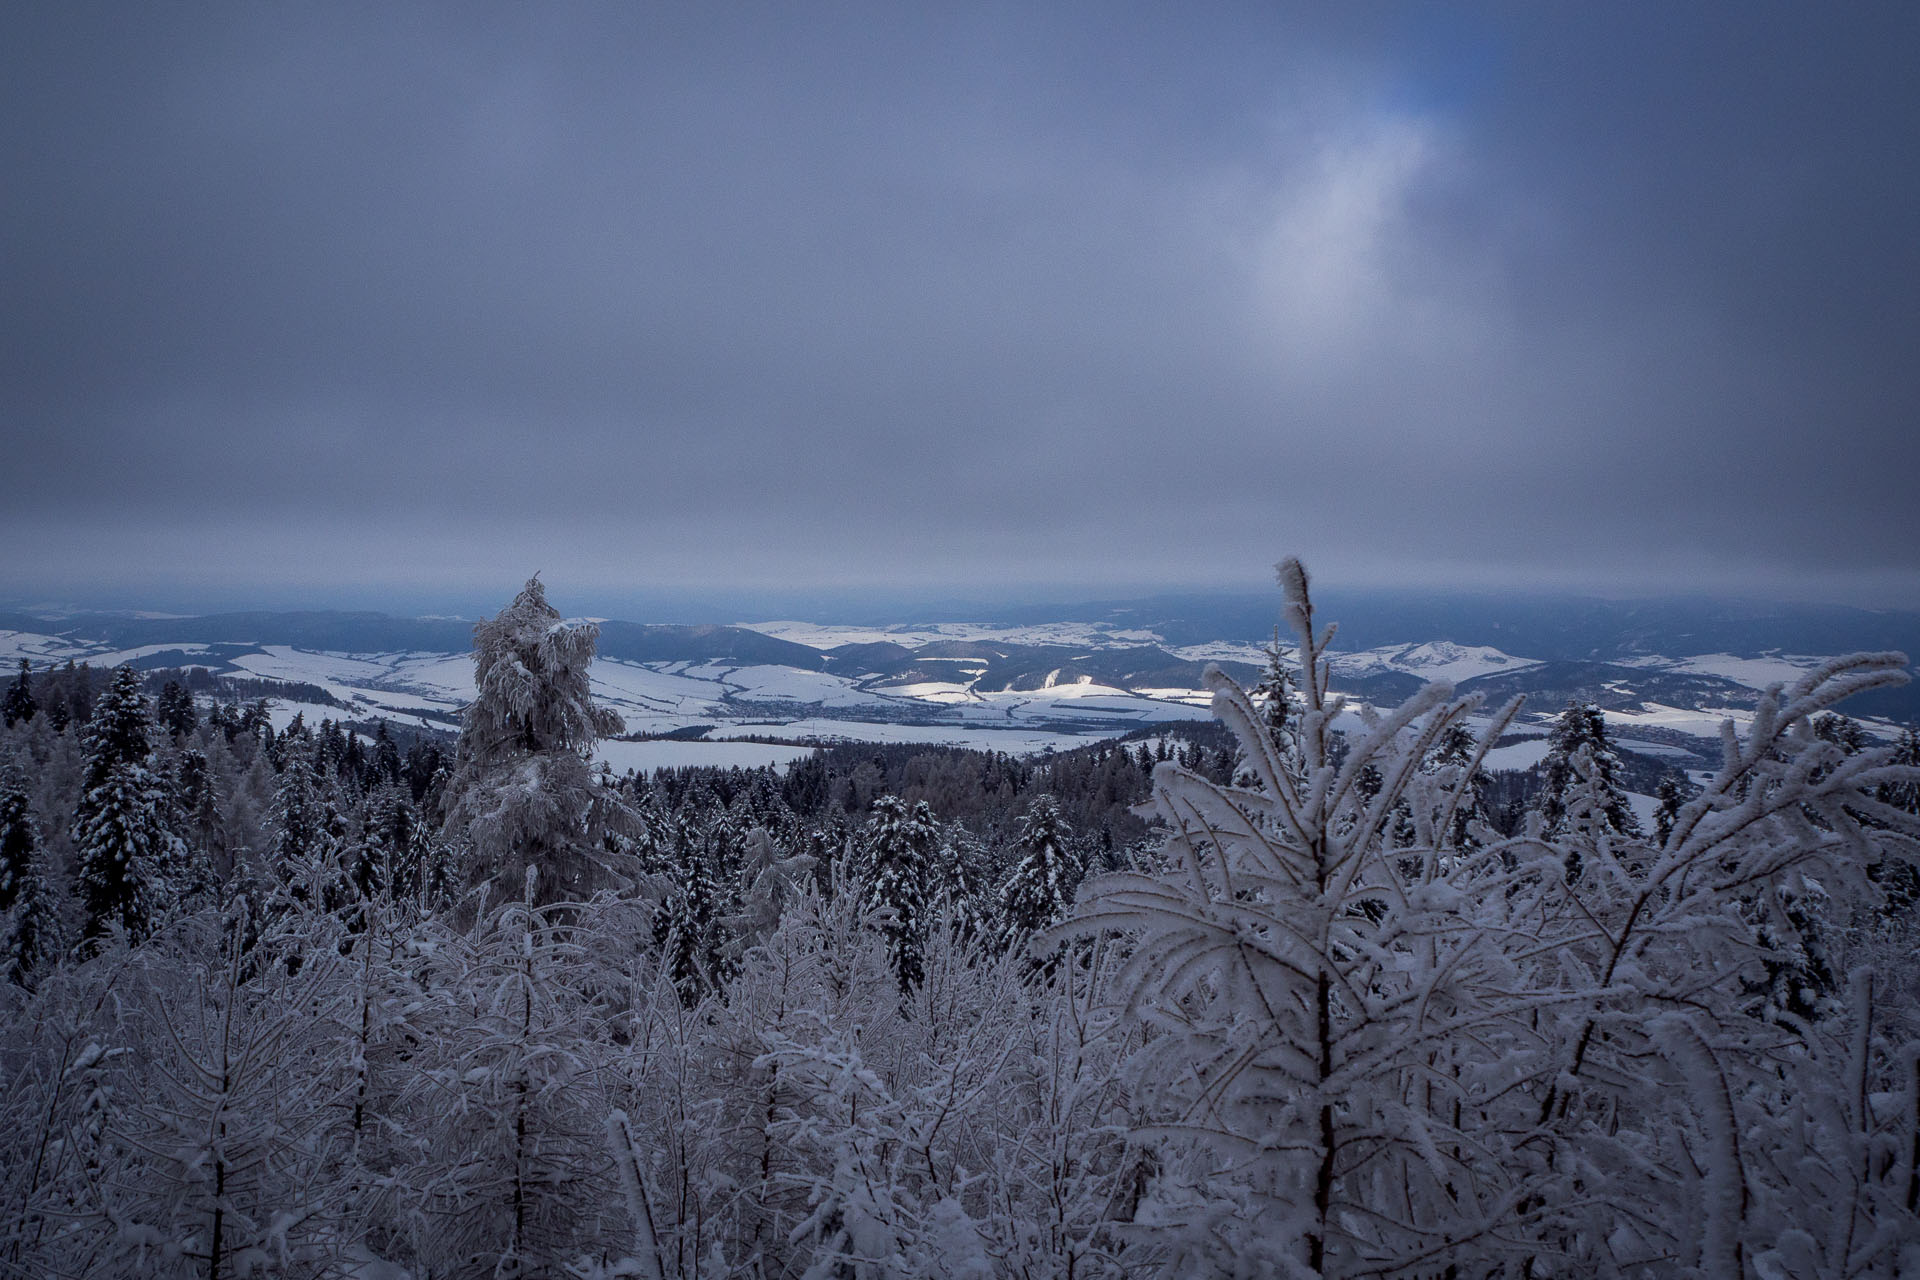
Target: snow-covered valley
[{"x": 700, "y": 694}]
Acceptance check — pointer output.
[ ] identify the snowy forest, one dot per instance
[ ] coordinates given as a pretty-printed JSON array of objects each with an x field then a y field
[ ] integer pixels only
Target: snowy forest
[{"x": 1321, "y": 999}]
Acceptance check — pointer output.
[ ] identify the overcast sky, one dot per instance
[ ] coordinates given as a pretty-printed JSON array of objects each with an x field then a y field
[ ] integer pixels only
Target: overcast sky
[{"x": 344, "y": 299}]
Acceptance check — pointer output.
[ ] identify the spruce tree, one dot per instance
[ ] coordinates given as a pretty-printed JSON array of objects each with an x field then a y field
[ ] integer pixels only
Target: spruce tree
[
  {"x": 386, "y": 757},
  {"x": 303, "y": 879},
  {"x": 899, "y": 844},
  {"x": 1274, "y": 696},
  {"x": 28, "y": 924},
  {"x": 1039, "y": 892},
  {"x": 688, "y": 922},
  {"x": 522, "y": 789},
  {"x": 19, "y": 705},
  {"x": 1581, "y": 776},
  {"x": 1672, "y": 791},
  {"x": 175, "y": 709},
  {"x": 126, "y": 852}
]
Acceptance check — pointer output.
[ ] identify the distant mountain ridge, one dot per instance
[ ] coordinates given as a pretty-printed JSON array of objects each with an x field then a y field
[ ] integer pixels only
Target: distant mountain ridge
[
  {"x": 1619, "y": 654},
  {"x": 1550, "y": 628},
  {"x": 357, "y": 632}
]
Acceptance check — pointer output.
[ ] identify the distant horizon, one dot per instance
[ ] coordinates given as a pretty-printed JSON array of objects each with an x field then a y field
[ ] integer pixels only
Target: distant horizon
[{"x": 732, "y": 604}]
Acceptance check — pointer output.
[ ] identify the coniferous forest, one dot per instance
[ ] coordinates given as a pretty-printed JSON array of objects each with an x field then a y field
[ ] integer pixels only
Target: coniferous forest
[{"x": 1314, "y": 995}]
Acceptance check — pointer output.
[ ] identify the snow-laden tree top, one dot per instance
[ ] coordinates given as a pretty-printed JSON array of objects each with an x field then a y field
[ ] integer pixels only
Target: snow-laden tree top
[
  {"x": 521, "y": 792},
  {"x": 530, "y": 669}
]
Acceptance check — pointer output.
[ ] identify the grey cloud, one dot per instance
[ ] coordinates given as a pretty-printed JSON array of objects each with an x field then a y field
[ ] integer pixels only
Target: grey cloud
[{"x": 1115, "y": 294}]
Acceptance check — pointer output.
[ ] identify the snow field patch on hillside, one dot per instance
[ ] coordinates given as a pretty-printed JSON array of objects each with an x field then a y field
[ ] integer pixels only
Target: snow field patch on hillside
[
  {"x": 1081, "y": 634},
  {"x": 1434, "y": 660},
  {"x": 38, "y": 649},
  {"x": 1755, "y": 673},
  {"x": 1518, "y": 755},
  {"x": 1221, "y": 651},
  {"x": 787, "y": 684}
]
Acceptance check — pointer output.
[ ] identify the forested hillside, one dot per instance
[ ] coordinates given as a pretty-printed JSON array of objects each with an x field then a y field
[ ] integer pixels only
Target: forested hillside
[{"x": 1308, "y": 991}]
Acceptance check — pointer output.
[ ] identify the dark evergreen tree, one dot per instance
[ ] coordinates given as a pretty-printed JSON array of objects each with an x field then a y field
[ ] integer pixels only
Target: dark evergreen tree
[
  {"x": 384, "y": 768},
  {"x": 1039, "y": 892},
  {"x": 1669, "y": 794},
  {"x": 1581, "y": 777},
  {"x": 127, "y": 854},
  {"x": 304, "y": 878},
  {"x": 67, "y": 695},
  {"x": 1455, "y": 750},
  {"x": 118, "y": 731},
  {"x": 29, "y": 926},
  {"x": 688, "y": 923},
  {"x": 19, "y": 705},
  {"x": 1843, "y": 731},
  {"x": 199, "y": 819},
  {"x": 899, "y": 841},
  {"x": 175, "y": 710}
]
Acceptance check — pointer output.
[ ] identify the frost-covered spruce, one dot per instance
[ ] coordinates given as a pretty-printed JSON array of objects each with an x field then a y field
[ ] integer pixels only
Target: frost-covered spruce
[
  {"x": 522, "y": 790},
  {"x": 307, "y": 838},
  {"x": 1274, "y": 696},
  {"x": 900, "y": 843},
  {"x": 1039, "y": 891},
  {"x": 28, "y": 925},
  {"x": 174, "y": 710},
  {"x": 125, "y": 851},
  {"x": 691, "y": 923},
  {"x": 119, "y": 729},
  {"x": 1581, "y": 775}
]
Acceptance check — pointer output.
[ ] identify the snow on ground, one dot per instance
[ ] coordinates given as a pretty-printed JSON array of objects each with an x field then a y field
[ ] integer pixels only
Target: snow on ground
[
  {"x": 1079, "y": 701},
  {"x": 1643, "y": 808},
  {"x": 1703, "y": 723},
  {"x": 282, "y": 662},
  {"x": 943, "y": 691},
  {"x": 661, "y": 698},
  {"x": 280, "y": 713},
  {"x": 117, "y": 657},
  {"x": 1755, "y": 673},
  {"x": 671, "y": 754},
  {"x": 1434, "y": 660},
  {"x": 1085, "y": 635},
  {"x": 630, "y": 687},
  {"x": 1664, "y": 750},
  {"x": 788, "y": 684},
  {"x": 39, "y": 649},
  {"x": 1519, "y": 755},
  {"x": 1187, "y": 698},
  {"x": 1222, "y": 651}
]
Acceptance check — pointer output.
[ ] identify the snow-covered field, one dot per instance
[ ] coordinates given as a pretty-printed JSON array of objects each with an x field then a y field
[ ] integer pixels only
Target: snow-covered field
[
  {"x": 939, "y": 701},
  {"x": 1084, "y": 635},
  {"x": 1435, "y": 660},
  {"x": 660, "y": 698},
  {"x": 1518, "y": 755},
  {"x": 1755, "y": 673}
]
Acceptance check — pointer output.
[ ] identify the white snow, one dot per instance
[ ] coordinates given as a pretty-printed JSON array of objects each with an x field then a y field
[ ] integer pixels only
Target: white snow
[
  {"x": 1222, "y": 651},
  {"x": 1434, "y": 660},
  {"x": 1519, "y": 755},
  {"x": 1085, "y": 635},
  {"x": 1755, "y": 673}
]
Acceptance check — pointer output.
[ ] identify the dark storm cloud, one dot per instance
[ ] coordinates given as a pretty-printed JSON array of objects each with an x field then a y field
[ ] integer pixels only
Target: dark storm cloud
[{"x": 647, "y": 294}]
